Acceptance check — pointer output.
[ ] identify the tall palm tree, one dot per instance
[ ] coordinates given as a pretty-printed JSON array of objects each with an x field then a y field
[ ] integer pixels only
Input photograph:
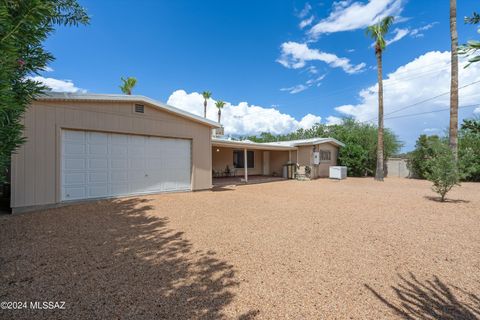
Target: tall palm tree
[
  {"x": 206, "y": 95},
  {"x": 219, "y": 104},
  {"x": 453, "y": 132},
  {"x": 128, "y": 85},
  {"x": 378, "y": 32}
]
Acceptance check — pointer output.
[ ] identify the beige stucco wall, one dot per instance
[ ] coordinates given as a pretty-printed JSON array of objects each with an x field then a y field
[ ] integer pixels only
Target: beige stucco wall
[
  {"x": 224, "y": 157},
  {"x": 36, "y": 165},
  {"x": 305, "y": 158},
  {"x": 277, "y": 160}
]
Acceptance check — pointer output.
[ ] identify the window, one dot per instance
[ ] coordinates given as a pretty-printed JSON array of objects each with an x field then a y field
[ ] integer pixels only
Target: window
[
  {"x": 325, "y": 155},
  {"x": 139, "y": 108},
  {"x": 238, "y": 159}
]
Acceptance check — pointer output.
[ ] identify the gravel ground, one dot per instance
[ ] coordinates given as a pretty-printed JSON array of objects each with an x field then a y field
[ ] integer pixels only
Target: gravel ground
[{"x": 353, "y": 249}]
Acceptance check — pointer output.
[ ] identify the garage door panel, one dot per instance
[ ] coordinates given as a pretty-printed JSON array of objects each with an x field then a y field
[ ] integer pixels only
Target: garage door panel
[
  {"x": 119, "y": 164},
  {"x": 118, "y": 150},
  {"x": 120, "y": 189},
  {"x": 74, "y": 148},
  {"x": 118, "y": 176},
  {"x": 98, "y": 191},
  {"x": 98, "y": 149},
  {"x": 77, "y": 164},
  {"x": 74, "y": 178},
  {"x": 98, "y": 165},
  {"x": 74, "y": 193},
  {"x": 72, "y": 135},
  {"x": 98, "y": 177},
  {"x": 98, "y": 137}
]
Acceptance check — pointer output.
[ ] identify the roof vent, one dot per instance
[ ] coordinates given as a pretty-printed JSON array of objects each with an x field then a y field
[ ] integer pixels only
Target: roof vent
[{"x": 139, "y": 108}]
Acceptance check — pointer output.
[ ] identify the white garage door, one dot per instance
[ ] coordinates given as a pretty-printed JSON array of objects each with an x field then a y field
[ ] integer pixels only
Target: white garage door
[{"x": 96, "y": 165}]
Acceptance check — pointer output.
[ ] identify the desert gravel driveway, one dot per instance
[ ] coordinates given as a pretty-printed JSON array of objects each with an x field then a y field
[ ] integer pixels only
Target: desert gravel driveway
[{"x": 353, "y": 249}]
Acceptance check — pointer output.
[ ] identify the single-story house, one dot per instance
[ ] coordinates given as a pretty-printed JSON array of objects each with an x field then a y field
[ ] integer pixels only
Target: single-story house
[{"x": 88, "y": 146}]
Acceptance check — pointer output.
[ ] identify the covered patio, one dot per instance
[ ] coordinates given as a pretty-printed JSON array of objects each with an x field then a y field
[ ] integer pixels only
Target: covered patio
[{"x": 236, "y": 162}]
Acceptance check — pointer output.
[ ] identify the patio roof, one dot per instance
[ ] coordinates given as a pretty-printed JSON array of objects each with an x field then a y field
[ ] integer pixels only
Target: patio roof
[
  {"x": 307, "y": 142},
  {"x": 219, "y": 142},
  {"x": 279, "y": 145}
]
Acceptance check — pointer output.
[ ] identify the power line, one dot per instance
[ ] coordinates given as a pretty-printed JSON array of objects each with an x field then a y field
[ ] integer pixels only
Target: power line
[
  {"x": 423, "y": 101},
  {"x": 433, "y": 111}
]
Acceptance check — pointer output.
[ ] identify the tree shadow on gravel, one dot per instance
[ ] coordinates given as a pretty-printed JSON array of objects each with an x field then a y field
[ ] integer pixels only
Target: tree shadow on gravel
[
  {"x": 113, "y": 260},
  {"x": 430, "y": 299},
  {"x": 447, "y": 200}
]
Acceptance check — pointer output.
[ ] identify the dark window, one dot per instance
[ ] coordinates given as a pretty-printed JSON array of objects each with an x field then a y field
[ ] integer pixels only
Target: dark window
[
  {"x": 238, "y": 159},
  {"x": 325, "y": 155},
  {"x": 139, "y": 108}
]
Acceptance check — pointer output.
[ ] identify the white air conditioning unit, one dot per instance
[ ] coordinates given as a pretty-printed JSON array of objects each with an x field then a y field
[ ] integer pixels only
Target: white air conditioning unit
[{"x": 338, "y": 172}]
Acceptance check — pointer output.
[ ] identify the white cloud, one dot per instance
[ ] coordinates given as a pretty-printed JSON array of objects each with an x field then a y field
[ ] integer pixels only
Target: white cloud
[
  {"x": 305, "y": 11},
  {"x": 306, "y": 22},
  {"x": 477, "y": 110},
  {"x": 431, "y": 130},
  {"x": 418, "y": 32},
  {"x": 58, "y": 85},
  {"x": 295, "y": 55},
  {"x": 424, "y": 77},
  {"x": 302, "y": 87},
  {"x": 243, "y": 119},
  {"x": 399, "y": 35},
  {"x": 309, "y": 120},
  {"x": 348, "y": 15},
  {"x": 332, "y": 120},
  {"x": 295, "y": 89}
]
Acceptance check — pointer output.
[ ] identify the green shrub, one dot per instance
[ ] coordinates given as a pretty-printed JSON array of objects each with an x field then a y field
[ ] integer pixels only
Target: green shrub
[{"x": 442, "y": 171}]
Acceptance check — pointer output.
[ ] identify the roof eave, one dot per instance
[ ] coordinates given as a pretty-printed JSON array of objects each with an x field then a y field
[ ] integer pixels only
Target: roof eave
[{"x": 133, "y": 98}]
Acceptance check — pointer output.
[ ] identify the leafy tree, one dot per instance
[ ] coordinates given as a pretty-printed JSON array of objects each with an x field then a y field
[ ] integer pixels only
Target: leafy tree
[
  {"x": 128, "y": 84},
  {"x": 468, "y": 152},
  {"x": 469, "y": 148},
  {"x": 378, "y": 32},
  {"x": 219, "y": 104},
  {"x": 453, "y": 128},
  {"x": 443, "y": 171},
  {"x": 472, "y": 46},
  {"x": 417, "y": 163},
  {"x": 471, "y": 125},
  {"x": 24, "y": 26},
  {"x": 355, "y": 158},
  {"x": 206, "y": 95}
]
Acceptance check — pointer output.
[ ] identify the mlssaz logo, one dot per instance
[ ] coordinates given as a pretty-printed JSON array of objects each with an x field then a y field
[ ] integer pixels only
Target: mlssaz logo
[{"x": 47, "y": 305}]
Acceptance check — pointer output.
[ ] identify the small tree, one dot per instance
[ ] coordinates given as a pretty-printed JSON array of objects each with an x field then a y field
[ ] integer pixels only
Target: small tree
[
  {"x": 443, "y": 170},
  {"x": 219, "y": 104},
  {"x": 206, "y": 95},
  {"x": 128, "y": 84},
  {"x": 24, "y": 27}
]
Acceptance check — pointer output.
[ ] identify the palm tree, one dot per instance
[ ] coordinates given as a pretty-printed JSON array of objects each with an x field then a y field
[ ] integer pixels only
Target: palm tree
[
  {"x": 206, "y": 95},
  {"x": 453, "y": 132},
  {"x": 378, "y": 32},
  {"x": 128, "y": 85},
  {"x": 219, "y": 104}
]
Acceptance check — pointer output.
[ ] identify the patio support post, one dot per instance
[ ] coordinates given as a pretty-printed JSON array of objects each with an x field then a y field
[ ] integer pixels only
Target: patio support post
[
  {"x": 289, "y": 156},
  {"x": 245, "y": 164}
]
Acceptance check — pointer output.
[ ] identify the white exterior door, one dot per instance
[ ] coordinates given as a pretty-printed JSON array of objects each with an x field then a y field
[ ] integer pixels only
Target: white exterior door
[{"x": 96, "y": 165}]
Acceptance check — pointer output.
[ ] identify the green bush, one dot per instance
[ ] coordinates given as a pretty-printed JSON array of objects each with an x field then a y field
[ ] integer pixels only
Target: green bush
[
  {"x": 442, "y": 171},
  {"x": 468, "y": 152},
  {"x": 417, "y": 163}
]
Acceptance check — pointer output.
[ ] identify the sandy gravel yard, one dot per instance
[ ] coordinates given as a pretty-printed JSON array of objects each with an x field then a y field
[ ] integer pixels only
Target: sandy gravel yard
[{"x": 353, "y": 249}]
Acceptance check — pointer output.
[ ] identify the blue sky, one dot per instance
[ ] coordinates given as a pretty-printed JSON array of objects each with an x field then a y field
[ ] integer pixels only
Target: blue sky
[{"x": 272, "y": 71}]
